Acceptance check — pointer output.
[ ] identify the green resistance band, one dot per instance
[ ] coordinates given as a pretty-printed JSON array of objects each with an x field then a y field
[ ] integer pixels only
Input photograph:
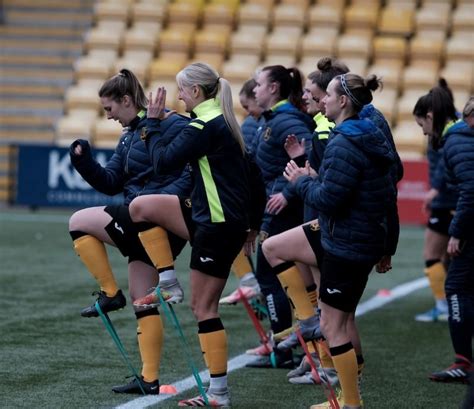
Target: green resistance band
[
  {"x": 171, "y": 316},
  {"x": 111, "y": 330}
]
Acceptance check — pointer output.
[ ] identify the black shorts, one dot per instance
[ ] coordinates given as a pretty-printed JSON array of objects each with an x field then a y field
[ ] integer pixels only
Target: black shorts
[
  {"x": 313, "y": 234},
  {"x": 215, "y": 247},
  {"x": 343, "y": 282},
  {"x": 124, "y": 233},
  {"x": 439, "y": 221}
]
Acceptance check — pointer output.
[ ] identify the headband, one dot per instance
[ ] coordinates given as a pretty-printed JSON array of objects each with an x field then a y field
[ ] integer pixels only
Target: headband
[{"x": 348, "y": 92}]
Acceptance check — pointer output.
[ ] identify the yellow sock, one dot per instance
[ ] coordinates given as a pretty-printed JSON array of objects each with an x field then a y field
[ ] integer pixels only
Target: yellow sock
[
  {"x": 156, "y": 244},
  {"x": 93, "y": 254},
  {"x": 213, "y": 340},
  {"x": 310, "y": 347},
  {"x": 345, "y": 362},
  {"x": 313, "y": 295},
  {"x": 437, "y": 276},
  {"x": 293, "y": 284},
  {"x": 324, "y": 355},
  {"x": 150, "y": 343},
  {"x": 241, "y": 265}
]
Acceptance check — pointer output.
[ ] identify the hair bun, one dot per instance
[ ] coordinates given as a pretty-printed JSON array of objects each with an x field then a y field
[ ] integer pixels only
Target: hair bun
[
  {"x": 325, "y": 64},
  {"x": 372, "y": 82}
]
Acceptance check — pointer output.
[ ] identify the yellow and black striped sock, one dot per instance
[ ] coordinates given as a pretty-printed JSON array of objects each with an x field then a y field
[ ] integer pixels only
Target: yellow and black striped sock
[
  {"x": 150, "y": 343},
  {"x": 213, "y": 340},
  {"x": 345, "y": 362},
  {"x": 93, "y": 254},
  {"x": 292, "y": 283},
  {"x": 156, "y": 244}
]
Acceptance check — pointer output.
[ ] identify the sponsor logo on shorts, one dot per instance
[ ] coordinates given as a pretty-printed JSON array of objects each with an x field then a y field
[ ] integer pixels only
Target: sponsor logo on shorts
[
  {"x": 434, "y": 220},
  {"x": 205, "y": 259},
  {"x": 333, "y": 291},
  {"x": 187, "y": 203}
]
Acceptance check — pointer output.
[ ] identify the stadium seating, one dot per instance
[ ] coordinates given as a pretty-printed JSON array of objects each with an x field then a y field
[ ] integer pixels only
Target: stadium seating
[{"x": 408, "y": 43}]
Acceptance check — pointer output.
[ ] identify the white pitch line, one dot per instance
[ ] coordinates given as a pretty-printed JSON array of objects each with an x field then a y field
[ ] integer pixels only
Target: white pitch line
[{"x": 240, "y": 361}]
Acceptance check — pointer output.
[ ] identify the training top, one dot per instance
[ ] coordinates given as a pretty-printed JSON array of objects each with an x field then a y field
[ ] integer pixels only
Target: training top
[
  {"x": 219, "y": 170},
  {"x": 354, "y": 192},
  {"x": 129, "y": 170},
  {"x": 458, "y": 155}
]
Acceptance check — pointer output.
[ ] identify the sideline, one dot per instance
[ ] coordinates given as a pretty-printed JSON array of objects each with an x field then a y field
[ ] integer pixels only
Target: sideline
[{"x": 240, "y": 361}]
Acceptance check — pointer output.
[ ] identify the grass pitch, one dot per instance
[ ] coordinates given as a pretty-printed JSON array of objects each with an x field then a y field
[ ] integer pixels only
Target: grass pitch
[{"x": 50, "y": 357}]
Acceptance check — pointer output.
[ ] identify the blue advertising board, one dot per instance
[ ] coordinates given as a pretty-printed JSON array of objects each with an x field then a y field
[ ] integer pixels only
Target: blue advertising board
[{"x": 45, "y": 177}]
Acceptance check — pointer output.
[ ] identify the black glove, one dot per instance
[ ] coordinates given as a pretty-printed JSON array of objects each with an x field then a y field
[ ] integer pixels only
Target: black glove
[{"x": 86, "y": 148}]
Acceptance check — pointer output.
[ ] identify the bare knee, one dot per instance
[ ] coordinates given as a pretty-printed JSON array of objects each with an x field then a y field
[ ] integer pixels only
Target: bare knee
[
  {"x": 269, "y": 250},
  {"x": 76, "y": 221},
  {"x": 137, "y": 209}
]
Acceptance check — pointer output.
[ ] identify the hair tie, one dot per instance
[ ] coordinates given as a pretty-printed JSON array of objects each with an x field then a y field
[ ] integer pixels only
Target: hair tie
[
  {"x": 217, "y": 82},
  {"x": 348, "y": 92}
]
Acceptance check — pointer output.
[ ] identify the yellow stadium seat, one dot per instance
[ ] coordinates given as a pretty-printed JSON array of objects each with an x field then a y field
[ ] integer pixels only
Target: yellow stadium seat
[
  {"x": 350, "y": 46},
  {"x": 166, "y": 66},
  {"x": 215, "y": 60},
  {"x": 78, "y": 124},
  {"x": 289, "y": 15},
  {"x": 419, "y": 76},
  {"x": 406, "y": 103},
  {"x": 280, "y": 44},
  {"x": 337, "y": 4},
  {"x": 284, "y": 59},
  {"x": 148, "y": 12},
  {"x": 184, "y": 12},
  {"x": 254, "y": 14},
  {"x": 462, "y": 18},
  {"x": 433, "y": 18},
  {"x": 207, "y": 41},
  {"x": 265, "y": 3},
  {"x": 93, "y": 66},
  {"x": 140, "y": 38},
  {"x": 459, "y": 76},
  {"x": 112, "y": 10},
  {"x": 219, "y": 14},
  {"x": 112, "y": 26},
  {"x": 459, "y": 47},
  {"x": 106, "y": 133},
  {"x": 389, "y": 70},
  {"x": 103, "y": 39},
  {"x": 247, "y": 42},
  {"x": 409, "y": 139},
  {"x": 176, "y": 39},
  {"x": 357, "y": 65},
  {"x": 240, "y": 67},
  {"x": 385, "y": 101},
  {"x": 396, "y": 22},
  {"x": 390, "y": 48},
  {"x": 422, "y": 48},
  {"x": 357, "y": 16},
  {"x": 316, "y": 44},
  {"x": 139, "y": 66},
  {"x": 233, "y": 3},
  {"x": 324, "y": 15},
  {"x": 82, "y": 97},
  {"x": 403, "y": 4}
]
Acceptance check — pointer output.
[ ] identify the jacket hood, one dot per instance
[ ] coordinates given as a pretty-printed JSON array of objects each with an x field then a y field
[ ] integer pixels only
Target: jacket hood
[
  {"x": 459, "y": 128},
  {"x": 289, "y": 109},
  {"x": 368, "y": 138}
]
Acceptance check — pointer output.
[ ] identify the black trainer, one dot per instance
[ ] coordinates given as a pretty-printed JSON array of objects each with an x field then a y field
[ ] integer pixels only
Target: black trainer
[
  {"x": 150, "y": 388},
  {"x": 106, "y": 304}
]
